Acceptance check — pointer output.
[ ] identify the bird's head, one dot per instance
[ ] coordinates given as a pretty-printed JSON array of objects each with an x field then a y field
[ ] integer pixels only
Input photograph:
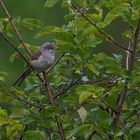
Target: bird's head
[{"x": 47, "y": 47}]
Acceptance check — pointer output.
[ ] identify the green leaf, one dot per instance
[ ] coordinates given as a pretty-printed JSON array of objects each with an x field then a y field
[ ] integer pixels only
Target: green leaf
[
  {"x": 31, "y": 23},
  {"x": 13, "y": 128},
  {"x": 85, "y": 131},
  {"x": 1, "y": 25},
  {"x": 84, "y": 96},
  {"x": 48, "y": 30},
  {"x": 51, "y": 3},
  {"x": 34, "y": 135},
  {"x": 108, "y": 19},
  {"x": 136, "y": 135},
  {"x": 82, "y": 113},
  {"x": 3, "y": 75},
  {"x": 118, "y": 57},
  {"x": 3, "y": 113},
  {"x": 52, "y": 111},
  {"x": 82, "y": 3},
  {"x": 13, "y": 57},
  {"x": 90, "y": 42}
]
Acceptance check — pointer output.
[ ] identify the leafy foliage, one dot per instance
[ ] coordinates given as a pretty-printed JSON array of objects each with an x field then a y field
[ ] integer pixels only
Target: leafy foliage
[{"x": 96, "y": 92}]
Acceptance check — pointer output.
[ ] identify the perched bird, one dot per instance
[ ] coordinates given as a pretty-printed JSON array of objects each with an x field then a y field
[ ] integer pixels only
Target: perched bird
[{"x": 40, "y": 61}]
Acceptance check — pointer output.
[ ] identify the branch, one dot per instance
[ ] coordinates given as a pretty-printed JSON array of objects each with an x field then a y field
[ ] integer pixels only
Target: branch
[
  {"x": 14, "y": 27},
  {"x": 130, "y": 59},
  {"x": 20, "y": 99},
  {"x": 55, "y": 63},
  {"x": 76, "y": 82},
  {"x": 52, "y": 101},
  {"x": 101, "y": 31},
  {"x": 134, "y": 43},
  {"x": 27, "y": 62}
]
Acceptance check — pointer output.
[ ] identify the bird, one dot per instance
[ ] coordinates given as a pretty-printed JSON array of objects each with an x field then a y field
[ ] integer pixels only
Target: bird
[{"x": 40, "y": 61}]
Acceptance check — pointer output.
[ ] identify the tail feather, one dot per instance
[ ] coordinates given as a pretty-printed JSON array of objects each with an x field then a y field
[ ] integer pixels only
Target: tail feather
[{"x": 22, "y": 77}]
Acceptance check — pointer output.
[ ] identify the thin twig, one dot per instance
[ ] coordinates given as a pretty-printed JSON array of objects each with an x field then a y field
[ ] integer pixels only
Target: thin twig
[
  {"x": 101, "y": 31},
  {"x": 55, "y": 63},
  {"x": 14, "y": 27},
  {"x": 130, "y": 58},
  {"x": 65, "y": 89},
  {"x": 27, "y": 62},
  {"x": 53, "y": 104},
  {"x": 76, "y": 82},
  {"x": 20, "y": 99}
]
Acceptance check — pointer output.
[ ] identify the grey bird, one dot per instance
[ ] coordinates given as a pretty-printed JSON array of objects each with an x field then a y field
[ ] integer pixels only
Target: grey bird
[{"x": 40, "y": 61}]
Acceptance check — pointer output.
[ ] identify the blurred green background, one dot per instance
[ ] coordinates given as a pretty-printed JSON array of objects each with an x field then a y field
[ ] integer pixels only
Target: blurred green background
[{"x": 50, "y": 16}]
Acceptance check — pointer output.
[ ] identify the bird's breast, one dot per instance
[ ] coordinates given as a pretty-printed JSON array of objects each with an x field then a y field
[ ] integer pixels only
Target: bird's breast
[{"x": 43, "y": 63}]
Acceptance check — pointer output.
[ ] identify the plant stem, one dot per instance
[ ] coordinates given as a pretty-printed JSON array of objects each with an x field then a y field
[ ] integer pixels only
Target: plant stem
[
  {"x": 14, "y": 27},
  {"x": 16, "y": 49},
  {"x": 101, "y": 31},
  {"x": 23, "y": 100},
  {"x": 130, "y": 59},
  {"x": 53, "y": 104}
]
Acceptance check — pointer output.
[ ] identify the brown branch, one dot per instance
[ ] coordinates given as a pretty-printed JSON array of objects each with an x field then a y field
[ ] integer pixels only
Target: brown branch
[
  {"x": 27, "y": 62},
  {"x": 53, "y": 104},
  {"x": 134, "y": 44},
  {"x": 14, "y": 27},
  {"x": 101, "y": 31},
  {"x": 77, "y": 82},
  {"x": 23, "y": 100},
  {"x": 130, "y": 59},
  {"x": 55, "y": 63}
]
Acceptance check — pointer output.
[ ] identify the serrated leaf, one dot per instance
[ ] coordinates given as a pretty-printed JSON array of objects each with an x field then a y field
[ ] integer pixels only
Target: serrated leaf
[{"x": 51, "y": 3}]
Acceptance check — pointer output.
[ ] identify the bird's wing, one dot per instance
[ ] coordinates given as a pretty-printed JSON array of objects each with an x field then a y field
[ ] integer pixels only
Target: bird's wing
[{"x": 36, "y": 56}]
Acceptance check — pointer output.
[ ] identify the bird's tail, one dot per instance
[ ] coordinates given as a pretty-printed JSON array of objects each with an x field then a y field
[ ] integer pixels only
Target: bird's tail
[{"x": 22, "y": 77}]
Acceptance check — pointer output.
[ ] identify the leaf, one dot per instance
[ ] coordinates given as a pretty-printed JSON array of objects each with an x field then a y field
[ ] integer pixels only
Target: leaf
[
  {"x": 92, "y": 68},
  {"x": 82, "y": 113},
  {"x": 3, "y": 113},
  {"x": 3, "y": 75},
  {"x": 90, "y": 42},
  {"x": 13, "y": 128},
  {"x": 84, "y": 96},
  {"x": 34, "y": 135},
  {"x": 109, "y": 64},
  {"x": 13, "y": 57},
  {"x": 90, "y": 2},
  {"x": 108, "y": 19},
  {"x": 49, "y": 30},
  {"x": 82, "y": 3},
  {"x": 136, "y": 135},
  {"x": 118, "y": 57},
  {"x": 51, "y": 3},
  {"x": 85, "y": 131},
  {"x": 31, "y": 23},
  {"x": 52, "y": 111},
  {"x": 1, "y": 25}
]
